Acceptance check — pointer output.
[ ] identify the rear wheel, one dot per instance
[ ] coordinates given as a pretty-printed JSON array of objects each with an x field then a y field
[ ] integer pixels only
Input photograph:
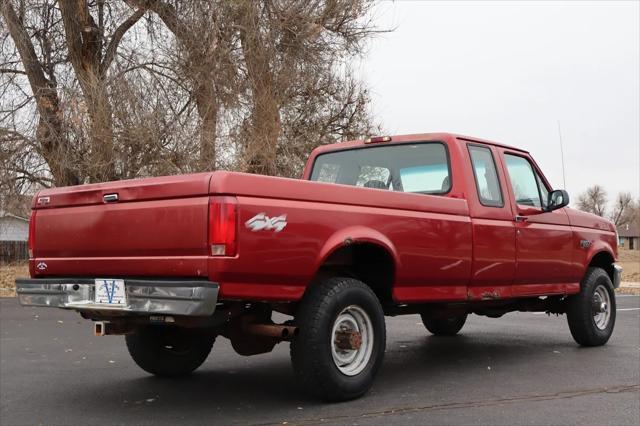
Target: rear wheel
[
  {"x": 444, "y": 326},
  {"x": 591, "y": 314},
  {"x": 169, "y": 351},
  {"x": 342, "y": 339}
]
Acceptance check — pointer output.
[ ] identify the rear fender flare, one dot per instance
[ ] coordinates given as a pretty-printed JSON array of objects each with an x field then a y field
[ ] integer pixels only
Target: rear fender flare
[{"x": 357, "y": 235}]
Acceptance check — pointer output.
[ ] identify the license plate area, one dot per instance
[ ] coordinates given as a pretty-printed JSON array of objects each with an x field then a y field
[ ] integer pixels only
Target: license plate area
[{"x": 110, "y": 292}]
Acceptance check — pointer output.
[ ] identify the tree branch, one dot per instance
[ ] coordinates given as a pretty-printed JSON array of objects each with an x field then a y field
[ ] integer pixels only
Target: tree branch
[
  {"x": 167, "y": 14},
  {"x": 110, "y": 53},
  {"x": 11, "y": 71},
  {"x": 32, "y": 67},
  {"x": 73, "y": 18}
]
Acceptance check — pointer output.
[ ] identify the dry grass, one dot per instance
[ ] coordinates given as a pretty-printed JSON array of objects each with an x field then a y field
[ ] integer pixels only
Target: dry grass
[
  {"x": 630, "y": 262},
  {"x": 8, "y": 274}
]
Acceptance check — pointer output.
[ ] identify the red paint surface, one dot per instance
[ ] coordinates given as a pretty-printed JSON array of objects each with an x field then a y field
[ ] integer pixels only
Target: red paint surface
[{"x": 444, "y": 248}]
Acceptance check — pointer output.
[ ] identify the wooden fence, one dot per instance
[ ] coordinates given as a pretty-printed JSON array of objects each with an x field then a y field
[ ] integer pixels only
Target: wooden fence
[{"x": 13, "y": 251}]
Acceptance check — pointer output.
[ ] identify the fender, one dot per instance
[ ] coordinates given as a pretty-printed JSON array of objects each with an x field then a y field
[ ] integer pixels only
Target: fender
[
  {"x": 598, "y": 247},
  {"x": 589, "y": 243},
  {"x": 355, "y": 235}
]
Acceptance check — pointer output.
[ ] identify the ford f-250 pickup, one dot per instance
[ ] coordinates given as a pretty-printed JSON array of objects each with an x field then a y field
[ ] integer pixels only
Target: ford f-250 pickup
[{"x": 433, "y": 224}]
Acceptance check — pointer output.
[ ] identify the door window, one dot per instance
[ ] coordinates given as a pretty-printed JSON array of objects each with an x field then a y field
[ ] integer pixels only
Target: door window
[
  {"x": 484, "y": 171},
  {"x": 524, "y": 181}
]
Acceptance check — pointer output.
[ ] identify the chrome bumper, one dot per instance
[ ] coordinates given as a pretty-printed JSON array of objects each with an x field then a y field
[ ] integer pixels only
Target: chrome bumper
[
  {"x": 617, "y": 275},
  {"x": 193, "y": 298}
]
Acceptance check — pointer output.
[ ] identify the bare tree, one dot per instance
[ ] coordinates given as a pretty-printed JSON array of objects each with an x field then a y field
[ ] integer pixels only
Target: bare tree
[
  {"x": 91, "y": 52},
  {"x": 623, "y": 209},
  {"x": 40, "y": 73},
  {"x": 125, "y": 92},
  {"x": 593, "y": 200},
  {"x": 97, "y": 90},
  {"x": 634, "y": 212},
  {"x": 205, "y": 58},
  {"x": 290, "y": 49}
]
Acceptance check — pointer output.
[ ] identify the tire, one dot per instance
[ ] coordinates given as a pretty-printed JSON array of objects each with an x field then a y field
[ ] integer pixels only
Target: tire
[
  {"x": 444, "y": 326},
  {"x": 169, "y": 351},
  {"x": 589, "y": 326},
  {"x": 330, "y": 366}
]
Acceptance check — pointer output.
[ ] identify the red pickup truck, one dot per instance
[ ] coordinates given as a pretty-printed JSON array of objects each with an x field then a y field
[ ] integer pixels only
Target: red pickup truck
[{"x": 438, "y": 224}]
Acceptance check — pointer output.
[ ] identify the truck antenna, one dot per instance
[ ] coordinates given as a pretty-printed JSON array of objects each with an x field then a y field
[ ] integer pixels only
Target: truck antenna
[{"x": 564, "y": 179}]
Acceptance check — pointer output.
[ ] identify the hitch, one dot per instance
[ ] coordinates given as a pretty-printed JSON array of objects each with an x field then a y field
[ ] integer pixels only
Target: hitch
[{"x": 106, "y": 328}]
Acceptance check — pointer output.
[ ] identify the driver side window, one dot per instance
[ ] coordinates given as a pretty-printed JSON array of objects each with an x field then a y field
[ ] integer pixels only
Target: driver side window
[{"x": 527, "y": 185}]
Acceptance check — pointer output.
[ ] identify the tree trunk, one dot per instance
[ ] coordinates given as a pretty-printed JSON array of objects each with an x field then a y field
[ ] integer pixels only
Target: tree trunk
[
  {"x": 84, "y": 41},
  {"x": 52, "y": 143},
  {"x": 265, "y": 125},
  {"x": 100, "y": 132},
  {"x": 205, "y": 97},
  {"x": 265, "y": 131},
  {"x": 201, "y": 78}
]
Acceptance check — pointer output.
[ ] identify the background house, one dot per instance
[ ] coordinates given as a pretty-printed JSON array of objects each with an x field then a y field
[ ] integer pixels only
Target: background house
[
  {"x": 14, "y": 233},
  {"x": 629, "y": 235}
]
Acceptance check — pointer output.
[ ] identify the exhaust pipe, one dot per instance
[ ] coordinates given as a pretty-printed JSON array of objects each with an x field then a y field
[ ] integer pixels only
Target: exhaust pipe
[{"x": 284, "y": 332}]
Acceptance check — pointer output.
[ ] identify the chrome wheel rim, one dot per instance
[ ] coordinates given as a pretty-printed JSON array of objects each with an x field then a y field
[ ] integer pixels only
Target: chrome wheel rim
[
  {"x": 601, "y": 307},
  {"x": 352, "y": 340}
]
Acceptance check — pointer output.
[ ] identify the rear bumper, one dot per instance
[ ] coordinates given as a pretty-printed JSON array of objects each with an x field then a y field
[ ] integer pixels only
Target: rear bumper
[
  {"x": 163, "y": 297},
  {"x": 617, "y": 275}
]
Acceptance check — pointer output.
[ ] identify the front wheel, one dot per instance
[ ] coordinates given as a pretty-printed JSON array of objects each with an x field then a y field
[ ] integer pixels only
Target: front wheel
[
  {"x": 342, "y": 339},
  {"x": 591, "y": 314},
  {"x": 169, "y": 351}
]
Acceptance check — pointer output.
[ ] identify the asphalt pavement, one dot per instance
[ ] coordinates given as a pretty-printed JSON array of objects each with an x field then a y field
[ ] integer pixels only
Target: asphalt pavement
[{"x": 521, "y": 369}]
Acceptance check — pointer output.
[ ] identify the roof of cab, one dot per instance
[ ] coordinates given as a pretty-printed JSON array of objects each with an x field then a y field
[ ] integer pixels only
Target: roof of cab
[{"x": 417, "y": 137}]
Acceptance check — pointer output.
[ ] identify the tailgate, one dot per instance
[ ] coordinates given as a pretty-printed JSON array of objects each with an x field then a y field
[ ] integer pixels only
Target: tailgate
[{"x": 145, "y": 227}]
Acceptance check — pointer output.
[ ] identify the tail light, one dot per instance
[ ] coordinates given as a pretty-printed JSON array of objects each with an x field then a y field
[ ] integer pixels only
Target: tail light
[
  {"x": 223, "y": 215},
  {"x": 32, "y": 233}
]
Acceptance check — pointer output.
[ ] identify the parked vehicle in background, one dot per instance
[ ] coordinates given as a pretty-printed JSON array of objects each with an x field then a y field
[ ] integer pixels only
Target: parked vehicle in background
[{"x": 439, "y": 225}]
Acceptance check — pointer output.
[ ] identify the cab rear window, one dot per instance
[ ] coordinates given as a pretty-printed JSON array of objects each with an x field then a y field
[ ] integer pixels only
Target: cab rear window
[{"x": 417, "y": 167}]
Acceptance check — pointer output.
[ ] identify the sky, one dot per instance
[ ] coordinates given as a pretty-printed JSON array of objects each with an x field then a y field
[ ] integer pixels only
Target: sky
[{"x": 510, "y": 72}]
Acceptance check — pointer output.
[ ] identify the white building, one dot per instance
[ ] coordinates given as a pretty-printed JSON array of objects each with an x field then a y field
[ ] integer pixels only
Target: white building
[{"x": 13, "y": 228}]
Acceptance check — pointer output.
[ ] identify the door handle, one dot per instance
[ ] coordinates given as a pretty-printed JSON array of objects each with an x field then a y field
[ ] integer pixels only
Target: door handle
[
  {"x": 519, "y": 218},
  {"x": 109, "y": 198}
]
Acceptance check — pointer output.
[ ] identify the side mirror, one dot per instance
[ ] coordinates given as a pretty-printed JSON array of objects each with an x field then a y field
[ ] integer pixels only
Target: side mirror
[{"x": 557, "y": 200}]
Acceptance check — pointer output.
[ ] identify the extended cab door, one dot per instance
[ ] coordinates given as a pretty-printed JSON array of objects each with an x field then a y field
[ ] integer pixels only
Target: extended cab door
[
  {"x": 494, "y": 233},
  {"x": 543, "y": 239}
]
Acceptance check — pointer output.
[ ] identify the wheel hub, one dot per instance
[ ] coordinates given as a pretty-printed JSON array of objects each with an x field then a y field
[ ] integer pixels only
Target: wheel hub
[
  {"x": 352, "y": 340},
  {"x": 600, "y": 307},
  {"x": 598, "y": 304},
  {"x": 348, "y": 339}
]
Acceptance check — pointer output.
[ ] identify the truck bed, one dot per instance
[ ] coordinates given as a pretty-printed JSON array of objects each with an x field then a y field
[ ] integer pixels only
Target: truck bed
[{"x": 158, "y": 227}]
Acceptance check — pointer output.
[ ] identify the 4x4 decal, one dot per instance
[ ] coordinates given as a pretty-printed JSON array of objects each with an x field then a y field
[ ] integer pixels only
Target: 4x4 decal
[{"x": 262, "y": 222}]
